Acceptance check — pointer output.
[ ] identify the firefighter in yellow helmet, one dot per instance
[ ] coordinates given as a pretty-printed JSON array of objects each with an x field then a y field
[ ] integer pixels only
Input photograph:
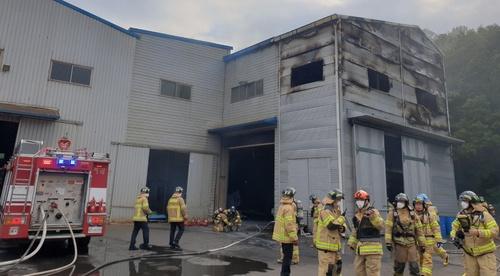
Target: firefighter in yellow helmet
[
  {"x": 328, "y": 238},
  {"x": 477, "y": 229},
  {"x": 315, "y": 210},
  {"x": 432, "y": 233},
  {"x": 177, "y": 214},
  {"x": 221, "y": 220},
  {"x": 434, "y": 211},
  {"x": 365, "y": 237},
  {"x": 234, "y": 218},
  {"x": 141, "y": 212},
  {"x": 403, "y": 228},
  {"x": 285, "y": 229}
]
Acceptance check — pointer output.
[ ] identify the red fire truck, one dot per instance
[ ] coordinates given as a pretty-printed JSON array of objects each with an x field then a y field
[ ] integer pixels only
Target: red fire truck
[{"x": 53, "y": 181}]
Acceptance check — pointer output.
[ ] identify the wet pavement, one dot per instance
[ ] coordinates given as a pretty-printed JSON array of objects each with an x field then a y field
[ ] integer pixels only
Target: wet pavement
[{"x": 256, "y": 256}]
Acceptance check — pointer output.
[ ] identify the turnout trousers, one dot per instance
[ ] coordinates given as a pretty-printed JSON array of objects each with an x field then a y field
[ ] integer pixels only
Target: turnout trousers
[
  {"x": 330, "y": 263},
  {"x": 403, "y": 254},
  {"x": 368, "y": 265},
  {"x": 484, "y": 265}
]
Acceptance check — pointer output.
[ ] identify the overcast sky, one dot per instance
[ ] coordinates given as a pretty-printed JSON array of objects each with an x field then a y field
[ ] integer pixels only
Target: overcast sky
[{"x": 242, "y": 23}]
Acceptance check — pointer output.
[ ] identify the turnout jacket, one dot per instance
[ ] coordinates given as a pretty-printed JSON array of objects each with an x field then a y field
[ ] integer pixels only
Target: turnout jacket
[
  {"x": 176, "y": 208},
  {"x": 315, "y": 210},
  {"x": 285, "y": 226},
  {"x": 365, "y": 235},
  {"x": 330, "y": 225},
  {"x": 403, "y": 228},
  {"x": 481, "y": 220},
  {"x": 141, "y": 209},
  {"x": 430, "y": 227}
]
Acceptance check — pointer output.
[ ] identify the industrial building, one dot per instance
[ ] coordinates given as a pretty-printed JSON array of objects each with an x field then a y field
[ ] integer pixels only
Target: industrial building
[{"x": 343, "y": 102}]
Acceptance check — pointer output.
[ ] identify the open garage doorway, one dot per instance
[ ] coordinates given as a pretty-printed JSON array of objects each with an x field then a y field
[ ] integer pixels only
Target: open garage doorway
[
  {"x": 251, "y": 181},
  {"x": 8, "y": 136}
]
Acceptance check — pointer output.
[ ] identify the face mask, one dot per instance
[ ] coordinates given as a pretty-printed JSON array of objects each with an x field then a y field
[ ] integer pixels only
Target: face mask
[
  {"x": 464, "y": 205},
  {"x": 401, "y": 205},
  {"x": 360, "y": 203}
]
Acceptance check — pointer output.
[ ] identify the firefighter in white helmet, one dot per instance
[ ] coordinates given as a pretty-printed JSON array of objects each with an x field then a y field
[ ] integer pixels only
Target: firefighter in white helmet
[
  {"x": 285, "y": 229},
  {"x": 141, "y": 212},
  {"x": 177, "y": 214}
]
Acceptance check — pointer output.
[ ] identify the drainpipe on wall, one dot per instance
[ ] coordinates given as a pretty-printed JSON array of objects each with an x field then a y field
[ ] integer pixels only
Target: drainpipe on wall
[
  {"x": 277, "y": 193},
  {"x": 338, "y": 98},
  {"x": 403, "y": 107}
]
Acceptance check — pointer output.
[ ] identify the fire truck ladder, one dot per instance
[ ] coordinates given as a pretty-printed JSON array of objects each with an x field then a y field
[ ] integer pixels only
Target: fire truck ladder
[{"x": 18, "y": 183}]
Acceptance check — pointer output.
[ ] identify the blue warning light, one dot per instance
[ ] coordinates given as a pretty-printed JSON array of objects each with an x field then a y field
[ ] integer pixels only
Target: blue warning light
[
  {"x": 60, "y": 161},
  {"x": 72, "y": 162}
]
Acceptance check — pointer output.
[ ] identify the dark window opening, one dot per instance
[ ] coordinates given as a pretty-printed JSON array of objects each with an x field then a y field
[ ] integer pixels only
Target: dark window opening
[
  {"x": 176, "y": 90},
  {"x": 247, "y": 91},
  {"x": 307, "y": 73},
  {"x": 393, "y": 166},
  {"x": 378, "y": 81},
  {"x": 7, "y": 144},
  {"x": 70, "y": 73},
  {"x": 427, "y": 100}
]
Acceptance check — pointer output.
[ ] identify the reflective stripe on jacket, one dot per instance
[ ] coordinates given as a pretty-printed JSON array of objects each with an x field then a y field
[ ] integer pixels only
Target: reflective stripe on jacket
[
  {"x": 285, "y": 227},
  {"x": 329, "y": 240},
  {"x": 411, "y": 226},
  {"x": 176, "y": 208},
  {"x": 487, "y": 228},
  {"x": 318, "y": 207},
  {"x": 430, "y": 227},
  {"x": 141, "y": 209},
  {"x": 370, "y": 247}
]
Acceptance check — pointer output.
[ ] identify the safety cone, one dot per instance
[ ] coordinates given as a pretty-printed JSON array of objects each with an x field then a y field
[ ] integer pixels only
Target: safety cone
[
  {"x": 186, "y": 223},
  {"x": 205, "y": 222},
  {"x": 193, "y": 222},
  {"x": 198, "y": 222}
]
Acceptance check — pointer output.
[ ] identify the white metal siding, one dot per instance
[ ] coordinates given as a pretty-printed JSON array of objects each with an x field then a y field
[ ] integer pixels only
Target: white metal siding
[
  {"x": 415, "y": 167},
  {"x": 174, "y": 123},
  {"x": 200, "y": 185},
  {"x": 32, "y": 33},
  {"x": 252, "y": 67},
  {"x": 49, "y": 132},
  {"x": 442, "y": 175},
  {"x": 129, "y": 176}
]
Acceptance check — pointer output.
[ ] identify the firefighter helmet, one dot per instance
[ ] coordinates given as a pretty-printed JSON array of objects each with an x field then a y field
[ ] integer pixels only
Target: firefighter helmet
[
  {"x": 289, "y": 192},
  {"x": 179, "y": 189},
  {"x": 335, "y": 194},
  {"x": 424, "y": 196},
  {"x": 145, "y": 190},
  {"x": 313, "y": 198},
  {"x": 419, "y": 199},
  {"x": 480, "y": 199},
  {"x": 469, "y": 196},
  {"x": 361, "y": 195},
  {"x": 402, "y": 197}
]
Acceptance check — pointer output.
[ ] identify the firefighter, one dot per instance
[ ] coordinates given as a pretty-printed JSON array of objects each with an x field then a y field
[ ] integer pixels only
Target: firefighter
[
  {"x": 140, "y": 219},
  {"x": 477, "y": 229},
  {"x": 285, "y": 229},
  {"x": 365, "y": 236},
  {"x": 221, "y": 221},
  {"x": 431, "y": 231},
  {"x": 234, "y": 218},
  {"x": 295, "y": 254},
  {"x": 434, "y": 211},
  {"x": 328, "y": 238},
  {"x": 177, "y": 214},
  {"x": 404, "y": 230},
  {"x": 315, "y": 209}
]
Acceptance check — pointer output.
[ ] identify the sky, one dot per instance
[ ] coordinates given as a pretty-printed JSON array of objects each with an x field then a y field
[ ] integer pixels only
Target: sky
[{"x": 242, "y": 23}]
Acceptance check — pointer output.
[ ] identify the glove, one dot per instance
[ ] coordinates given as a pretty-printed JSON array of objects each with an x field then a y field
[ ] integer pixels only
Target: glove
[
  {"x": 460, "y": 235},
  {"x": 439, "y": 244},
  {"x": 422, "y": 249},
  {"x": 295, "y": 242},
  {"x": 389, "y": 247}
]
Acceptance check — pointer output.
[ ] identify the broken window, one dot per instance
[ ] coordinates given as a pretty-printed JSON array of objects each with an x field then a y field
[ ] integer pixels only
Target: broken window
[
  {"x": 307, "y": 73},
  {"x": 427, "y": 100},
  {"x": 378, "y": 81},
  {"x": 247, "y": 90}
]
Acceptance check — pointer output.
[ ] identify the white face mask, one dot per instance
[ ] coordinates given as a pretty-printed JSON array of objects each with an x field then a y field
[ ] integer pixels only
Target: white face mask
[
  {"x": 464, "y": 205},
  {"x": 401, "y": 205},
  {"x": 360, "y": 203}
]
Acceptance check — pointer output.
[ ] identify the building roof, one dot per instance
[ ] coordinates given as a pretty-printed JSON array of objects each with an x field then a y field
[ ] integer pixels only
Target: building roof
[
  {"x": 93, "y": 16},
  {"x": 314, "y": 25},
  {"x": 190, "y": 40}
]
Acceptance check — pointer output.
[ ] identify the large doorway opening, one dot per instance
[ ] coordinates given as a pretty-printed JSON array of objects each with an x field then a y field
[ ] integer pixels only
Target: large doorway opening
[
  {"x": 8, "y": 137},
  {"x": 251, "y": 181},
  {"x": 166, "y": 170},
  {"x": 393, "y": 166}
]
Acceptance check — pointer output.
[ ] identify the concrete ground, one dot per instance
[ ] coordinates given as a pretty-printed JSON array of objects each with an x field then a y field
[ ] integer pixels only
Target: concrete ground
[{"x": 255, "y": 256}]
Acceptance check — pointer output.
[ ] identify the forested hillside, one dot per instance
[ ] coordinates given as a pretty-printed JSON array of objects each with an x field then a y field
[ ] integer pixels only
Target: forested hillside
[{"x": 472, "y": 60}]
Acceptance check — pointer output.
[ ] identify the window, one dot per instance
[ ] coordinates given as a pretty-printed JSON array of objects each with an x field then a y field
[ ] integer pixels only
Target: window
[
  {"x": 247, "y": 91},
  {"x": 70, "y": 73},
  {"x": 427, "y": 100},
  {"x": 378, "y": 81},
  {"x": 176, "y": 90},
  {"x": 307, "y": 73}
]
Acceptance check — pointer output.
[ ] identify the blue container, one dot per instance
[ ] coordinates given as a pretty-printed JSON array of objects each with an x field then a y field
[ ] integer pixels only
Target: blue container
[
  {"x": 449, "y": 221},
  {"x": 442, "y": 224}
]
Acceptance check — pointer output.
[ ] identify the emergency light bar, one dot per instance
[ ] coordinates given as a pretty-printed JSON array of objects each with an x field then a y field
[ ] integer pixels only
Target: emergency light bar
[{"x": 63, "y": 162}]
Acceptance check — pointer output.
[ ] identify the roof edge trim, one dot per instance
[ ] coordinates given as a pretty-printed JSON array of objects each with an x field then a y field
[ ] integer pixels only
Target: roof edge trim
[{"x": 190, "y": 40}]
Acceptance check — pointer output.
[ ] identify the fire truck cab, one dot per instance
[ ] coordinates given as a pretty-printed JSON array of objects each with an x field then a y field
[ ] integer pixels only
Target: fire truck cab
[{"x": 62, "y": 183}]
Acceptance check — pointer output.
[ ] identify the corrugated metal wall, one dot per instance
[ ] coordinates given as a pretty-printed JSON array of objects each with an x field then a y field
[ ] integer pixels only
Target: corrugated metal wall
[
  {"x": 32, "y": 33},
  {"x": 129, "y": 176},
  {"x": 415, "y": 167},
  {"x": 49, "y": 132},
  {"x": 259, "y": 65},
  {"x": 442, "y": 176},
  {"x": 174, "y": 123},
  {"x": 201, "y": 185}
]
